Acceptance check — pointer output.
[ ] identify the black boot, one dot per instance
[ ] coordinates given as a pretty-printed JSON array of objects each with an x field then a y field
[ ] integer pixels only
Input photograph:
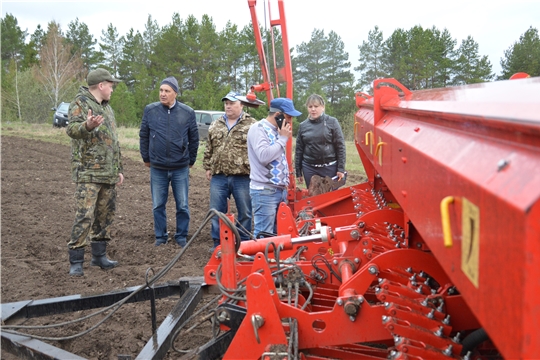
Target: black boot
[
  {"x": 99, "y": 256},
  {"x": 76, "y": 259}
]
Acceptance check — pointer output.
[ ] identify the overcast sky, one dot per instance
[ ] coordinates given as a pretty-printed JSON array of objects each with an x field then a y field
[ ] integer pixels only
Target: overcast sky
[{"x": 494, "y": 24}]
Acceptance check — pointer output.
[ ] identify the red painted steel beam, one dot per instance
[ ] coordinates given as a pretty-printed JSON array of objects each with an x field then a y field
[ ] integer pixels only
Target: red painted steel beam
[
  {"x": 477, "y": 146},
  {"x": 267, "y": 86}
]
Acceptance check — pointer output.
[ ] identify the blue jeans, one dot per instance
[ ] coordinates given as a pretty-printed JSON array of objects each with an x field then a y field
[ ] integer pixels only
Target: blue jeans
[
  {"x": 265, "y": 204},
  {"x": 159, "y": 186},
  {"x": 221, "y": 188}
]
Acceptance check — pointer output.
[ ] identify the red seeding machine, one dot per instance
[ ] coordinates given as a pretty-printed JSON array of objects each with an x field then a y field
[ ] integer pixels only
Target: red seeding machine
[{"x": 435, "y": 256}]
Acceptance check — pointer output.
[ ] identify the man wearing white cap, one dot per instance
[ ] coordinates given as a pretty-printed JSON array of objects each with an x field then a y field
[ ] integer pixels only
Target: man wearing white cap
[{"x": 227, "y": 165}]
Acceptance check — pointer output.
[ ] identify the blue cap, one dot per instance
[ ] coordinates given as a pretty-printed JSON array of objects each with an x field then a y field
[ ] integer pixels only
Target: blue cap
[{"x": 284, "y": 105}]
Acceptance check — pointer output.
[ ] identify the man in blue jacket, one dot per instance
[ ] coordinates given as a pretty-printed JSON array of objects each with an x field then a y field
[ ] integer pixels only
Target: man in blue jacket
[{"x": 169, "y": 140}]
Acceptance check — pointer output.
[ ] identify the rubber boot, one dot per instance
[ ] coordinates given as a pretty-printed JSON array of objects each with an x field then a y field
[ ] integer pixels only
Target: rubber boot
[
  {"x": 99, "y": 256},
  {"x": 76, "y": 259}
]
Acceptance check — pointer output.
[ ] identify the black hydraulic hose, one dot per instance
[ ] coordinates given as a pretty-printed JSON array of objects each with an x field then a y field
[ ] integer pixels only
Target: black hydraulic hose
[{"x": 473, "y": 340}]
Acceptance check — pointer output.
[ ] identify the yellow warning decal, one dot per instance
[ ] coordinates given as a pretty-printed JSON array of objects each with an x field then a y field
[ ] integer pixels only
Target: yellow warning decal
[{"x": 470, "y": 246}]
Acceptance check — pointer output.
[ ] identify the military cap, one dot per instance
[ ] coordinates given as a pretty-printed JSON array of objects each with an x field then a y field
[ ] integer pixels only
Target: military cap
[{"x": 99, "y": 75}]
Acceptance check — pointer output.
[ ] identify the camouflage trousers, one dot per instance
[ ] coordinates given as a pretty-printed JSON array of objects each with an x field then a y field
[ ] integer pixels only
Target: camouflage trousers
[{"x": 96, "y": 207}]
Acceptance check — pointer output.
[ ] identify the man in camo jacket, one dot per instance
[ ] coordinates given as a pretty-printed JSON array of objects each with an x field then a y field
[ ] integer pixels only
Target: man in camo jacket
[
  {"x": 227, "y": 165},
  {"x": 96, "y": 167}
]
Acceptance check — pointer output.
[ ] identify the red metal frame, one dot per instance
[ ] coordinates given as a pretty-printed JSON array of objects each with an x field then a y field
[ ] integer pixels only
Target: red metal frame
[
  {"x": 381, "y": 242},
  {"x": 479, "y": 144},
  {"x": 443, "y": 238}
]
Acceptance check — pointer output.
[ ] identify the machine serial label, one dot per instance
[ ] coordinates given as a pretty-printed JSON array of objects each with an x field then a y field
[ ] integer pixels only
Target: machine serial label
[{"x": 470, "y": 245}]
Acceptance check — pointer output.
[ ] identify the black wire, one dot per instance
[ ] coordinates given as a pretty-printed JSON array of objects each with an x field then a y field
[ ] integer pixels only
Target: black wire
[
  {"x": 243, "y": 229},
  {"x": 325, "y": 261},
  {"x": 116, "y": 306},
  {"x": 298, "y": 252},
  {"x": 230, "y": 225},
  {"x": 177, "y": 332}
]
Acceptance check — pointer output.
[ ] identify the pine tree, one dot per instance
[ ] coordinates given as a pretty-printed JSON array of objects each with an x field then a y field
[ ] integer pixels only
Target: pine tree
[
  {"x": 245, "y": 64},
  {"x": 82, "y": 42},
  {"x": 371, "y": 59},
  {"x": 444, "y": 56},
  {"x": 167, "y": 58},
  {"x": 133, "y": 58},
  {"x": 395, "y": 57},
  {"x": 231, "y": 56},
  {"x": 339, "y": 78},
  {"x": 420, "y": 60},
  {"x": 13, "y": 47},
  {"x": 123, "y": 103},
  {"x": 144, "y": 91},
  {"x": 111, "y": 46},
  {"x": 31, "y": 50},
  {"x": 208, "y": 57},
  {"x": 522, "y": 56},
  {"x": 470, "y": 67},
  {"x": 13, "y": 40},
  {"x": 310, "y": 63},
  {"x": 150, "y": 36},
  {"x": 191, "y": 56}
]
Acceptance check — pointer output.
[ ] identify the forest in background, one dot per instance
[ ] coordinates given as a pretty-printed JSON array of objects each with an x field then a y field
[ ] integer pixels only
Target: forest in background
[{"x": 42, "y": 69}]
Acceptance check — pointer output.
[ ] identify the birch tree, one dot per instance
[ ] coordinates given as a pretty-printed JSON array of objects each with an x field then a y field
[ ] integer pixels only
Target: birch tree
[{"x": 58, "y": 67}]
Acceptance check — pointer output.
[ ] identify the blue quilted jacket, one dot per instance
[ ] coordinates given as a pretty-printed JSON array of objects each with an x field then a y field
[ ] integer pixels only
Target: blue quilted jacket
[{"x": 169, "y": 138}]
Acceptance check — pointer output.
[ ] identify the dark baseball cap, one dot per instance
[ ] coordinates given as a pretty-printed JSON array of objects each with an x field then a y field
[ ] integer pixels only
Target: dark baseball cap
[
  {"x": 99, "y": 75},
  {"x": 284, "y": 105}
]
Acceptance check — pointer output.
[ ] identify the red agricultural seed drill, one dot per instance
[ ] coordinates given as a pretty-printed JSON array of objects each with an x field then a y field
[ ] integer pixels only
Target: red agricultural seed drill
[{"x": 435, "y": 256}]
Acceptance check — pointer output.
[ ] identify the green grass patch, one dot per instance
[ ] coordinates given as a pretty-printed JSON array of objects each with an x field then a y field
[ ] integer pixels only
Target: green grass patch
[{"x": 129, "y": 141}]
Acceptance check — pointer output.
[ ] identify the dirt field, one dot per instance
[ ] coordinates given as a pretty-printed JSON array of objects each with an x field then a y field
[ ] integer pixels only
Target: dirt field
[{"x": 37, "y": 214}]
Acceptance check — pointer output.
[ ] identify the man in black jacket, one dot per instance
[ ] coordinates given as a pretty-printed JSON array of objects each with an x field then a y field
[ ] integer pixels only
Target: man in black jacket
[{"x": 169, "y": 140}]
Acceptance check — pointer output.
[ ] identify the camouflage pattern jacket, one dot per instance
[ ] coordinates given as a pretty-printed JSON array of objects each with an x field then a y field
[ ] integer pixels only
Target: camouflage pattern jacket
[
  {"x": 95, "y": 155},
  {"x": 226, "y": 151}
]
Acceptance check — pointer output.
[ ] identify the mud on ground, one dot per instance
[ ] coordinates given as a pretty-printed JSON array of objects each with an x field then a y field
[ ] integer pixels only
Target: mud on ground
[
  {"x": 38, "y": 209},
  {"x": 37, "y": 214}
]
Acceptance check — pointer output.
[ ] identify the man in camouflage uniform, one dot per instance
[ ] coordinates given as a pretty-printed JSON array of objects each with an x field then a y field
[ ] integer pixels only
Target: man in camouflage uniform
[
  {"x": 227, "y": 165},
  {"x": 96, "y": 167}
]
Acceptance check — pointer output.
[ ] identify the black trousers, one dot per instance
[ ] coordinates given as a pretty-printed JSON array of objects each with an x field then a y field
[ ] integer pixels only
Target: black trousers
[{"x": 309, "y": 170}]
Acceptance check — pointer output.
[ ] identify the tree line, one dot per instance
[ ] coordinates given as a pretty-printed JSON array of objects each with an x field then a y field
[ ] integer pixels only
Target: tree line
[{"x": 42, "y": 69}]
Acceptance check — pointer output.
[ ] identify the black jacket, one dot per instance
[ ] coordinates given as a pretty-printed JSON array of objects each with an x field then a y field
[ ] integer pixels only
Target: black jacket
[
  {"x": 320, "y": 141},
  {"x": 169, "y": 138}
]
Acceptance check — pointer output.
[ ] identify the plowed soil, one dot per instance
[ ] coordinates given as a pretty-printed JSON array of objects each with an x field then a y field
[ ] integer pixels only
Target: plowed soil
[{"x": 38, "y": 210}]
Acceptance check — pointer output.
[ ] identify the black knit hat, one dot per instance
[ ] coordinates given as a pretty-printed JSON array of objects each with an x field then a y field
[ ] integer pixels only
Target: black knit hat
[{"x": 172, "y": 82}]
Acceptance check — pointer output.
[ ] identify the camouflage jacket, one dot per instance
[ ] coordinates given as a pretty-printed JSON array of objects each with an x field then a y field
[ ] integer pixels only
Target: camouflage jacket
[
  {"x": 226, "y": 151},
  {"x": 95, "y": 155}
]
